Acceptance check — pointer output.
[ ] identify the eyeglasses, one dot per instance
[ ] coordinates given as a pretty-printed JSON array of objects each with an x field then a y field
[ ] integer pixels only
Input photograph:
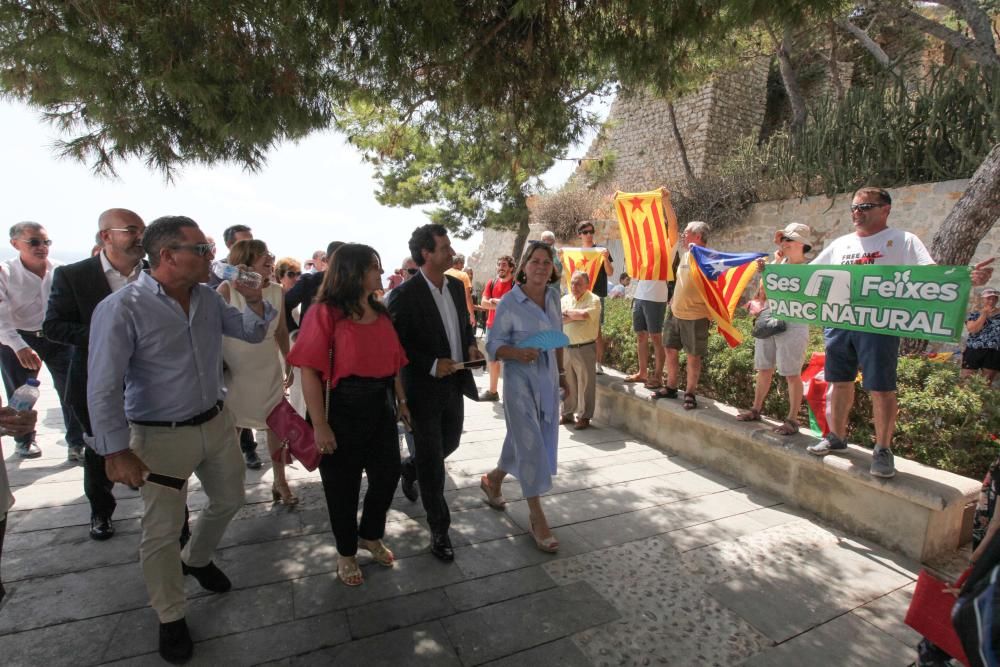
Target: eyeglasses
[
  {"x": 35, "y": 242},
  {"x": 131, "y": 230},
  {"x": 293, "y": 274},
  {"x": 200, "y": 249},
  {"x": 586, "y": 231},
  {"x": 864, "y": 207}
]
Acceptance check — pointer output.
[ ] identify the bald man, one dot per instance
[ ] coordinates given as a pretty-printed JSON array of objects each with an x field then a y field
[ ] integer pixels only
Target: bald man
[{"x": 76, "y": 290}]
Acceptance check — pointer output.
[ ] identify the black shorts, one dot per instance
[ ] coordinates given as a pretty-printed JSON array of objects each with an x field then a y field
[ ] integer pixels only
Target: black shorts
[{"x": 977, "y": 359}]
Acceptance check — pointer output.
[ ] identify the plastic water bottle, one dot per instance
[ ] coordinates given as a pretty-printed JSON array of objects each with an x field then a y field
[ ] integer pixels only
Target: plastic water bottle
[
  {"x": 25, "y": 397},
  {"x": 235, "y": 274}
]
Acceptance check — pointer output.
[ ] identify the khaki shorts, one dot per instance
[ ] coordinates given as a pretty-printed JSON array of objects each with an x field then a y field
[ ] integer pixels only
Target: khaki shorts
[{"x": 692, "y": 335}]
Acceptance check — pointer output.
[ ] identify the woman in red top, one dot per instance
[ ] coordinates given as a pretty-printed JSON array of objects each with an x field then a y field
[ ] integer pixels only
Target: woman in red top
[{"x": 357, "y": 432}]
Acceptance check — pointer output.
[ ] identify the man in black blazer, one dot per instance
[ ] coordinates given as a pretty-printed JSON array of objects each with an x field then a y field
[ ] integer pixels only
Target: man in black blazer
[
  {"x": 76, "y": 290},
  {"x": 432, "y": 320},
  {"x": 305, "y": 289}
]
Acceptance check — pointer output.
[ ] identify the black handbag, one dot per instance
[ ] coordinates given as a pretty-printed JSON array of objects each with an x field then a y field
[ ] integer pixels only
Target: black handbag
[{"x": 765, "y": 325}]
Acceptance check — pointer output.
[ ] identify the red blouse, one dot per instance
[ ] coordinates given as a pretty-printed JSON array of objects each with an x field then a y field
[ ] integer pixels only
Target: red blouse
[{"x": 366, "y": 350}]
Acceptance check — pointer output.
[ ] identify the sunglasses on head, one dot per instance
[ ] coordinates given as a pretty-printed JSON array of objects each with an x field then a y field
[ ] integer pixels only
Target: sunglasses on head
[
  {"x": 200, "y": 249},
  {"x": 865, "y": 207},
  {"x": 35, "y": 242}
]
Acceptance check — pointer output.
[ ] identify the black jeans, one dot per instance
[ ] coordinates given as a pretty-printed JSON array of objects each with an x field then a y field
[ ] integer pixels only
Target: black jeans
[
  {"x": 363, "y": 419},
  {"x": 3, "y": 530},
  {"x": 56, "y": 358},
  {"x": 437, "y": 430},
  {"x": 96, "y": 485},
  {"x": 247, "y": 443}
]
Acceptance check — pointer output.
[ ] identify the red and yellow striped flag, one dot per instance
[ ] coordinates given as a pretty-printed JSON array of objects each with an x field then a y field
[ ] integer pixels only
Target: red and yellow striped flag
[
  {"x": 588, "y": 260},
  {"x": 649, "y": 234}
]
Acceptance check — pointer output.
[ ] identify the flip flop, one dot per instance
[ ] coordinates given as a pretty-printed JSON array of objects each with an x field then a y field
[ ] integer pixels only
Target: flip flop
[{"x": 634, "y": 378}]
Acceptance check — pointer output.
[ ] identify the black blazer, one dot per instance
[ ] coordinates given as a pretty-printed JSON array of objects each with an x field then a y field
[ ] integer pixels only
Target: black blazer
[
  {"x": 76, "y": 290},
  {"x": 423, "y": 337},
  {"x": 302, "y": 293}
]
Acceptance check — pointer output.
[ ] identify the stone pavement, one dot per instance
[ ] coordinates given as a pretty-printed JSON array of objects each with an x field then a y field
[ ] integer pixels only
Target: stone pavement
[{"x": 662, "y": 562}]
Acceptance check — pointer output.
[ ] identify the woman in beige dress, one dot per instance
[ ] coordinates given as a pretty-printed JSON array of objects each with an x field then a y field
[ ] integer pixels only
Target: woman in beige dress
[{"x": 254, "y": 376}]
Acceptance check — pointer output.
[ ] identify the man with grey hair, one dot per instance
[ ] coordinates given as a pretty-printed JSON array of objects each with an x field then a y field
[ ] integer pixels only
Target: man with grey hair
[
  {"x": 457, "y": 271},
  {"x": 687, "y": 326},
  {"x": 549, "y": 239},
  {"x": 581, "y": 316},
  {"x": 25, "y": 283}
]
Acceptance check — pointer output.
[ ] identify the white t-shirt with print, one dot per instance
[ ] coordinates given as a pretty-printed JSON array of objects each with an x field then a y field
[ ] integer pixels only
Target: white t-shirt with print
[
  {"x": 651, "y": 290},
  {"x": 890, "y": 246}
]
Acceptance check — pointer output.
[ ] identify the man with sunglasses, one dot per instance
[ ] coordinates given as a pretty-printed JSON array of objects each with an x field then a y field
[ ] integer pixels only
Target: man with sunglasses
[
  {"x": 600, "y": 289},
  {"x": 76, "y": 290},
  {"x": 25, "y": 283},
  {"x": 161, "y": 338},
  {"x": 872, "y": 242}
]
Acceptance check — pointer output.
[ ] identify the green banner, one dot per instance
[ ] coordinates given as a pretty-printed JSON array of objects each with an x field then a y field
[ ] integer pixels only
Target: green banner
[{"x": 926, "y": 302}]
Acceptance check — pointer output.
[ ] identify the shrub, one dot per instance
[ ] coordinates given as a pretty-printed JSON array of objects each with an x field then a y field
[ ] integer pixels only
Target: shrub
[{"x": 942, "y": 422}]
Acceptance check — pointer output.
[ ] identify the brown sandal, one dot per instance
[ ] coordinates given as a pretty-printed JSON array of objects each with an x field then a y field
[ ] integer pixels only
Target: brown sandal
[
  {"x": 752, "y": 415},
  {"x": 690, "y": 401},
  {"x": 788, "y": 427},
  {"x": 636, "y": 377}
]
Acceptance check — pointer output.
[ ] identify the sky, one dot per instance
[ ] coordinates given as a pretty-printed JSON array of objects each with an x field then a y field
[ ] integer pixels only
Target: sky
[{"x": 309, "y": 193}]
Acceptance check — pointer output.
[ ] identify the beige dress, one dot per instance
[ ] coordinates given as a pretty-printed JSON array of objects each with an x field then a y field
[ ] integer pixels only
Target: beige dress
[{"x": 254, "y": 376}]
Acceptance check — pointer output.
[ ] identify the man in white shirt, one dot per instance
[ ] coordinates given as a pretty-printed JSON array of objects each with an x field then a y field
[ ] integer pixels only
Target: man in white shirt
[
  {"x": 25, "y": 283},
  {"x": 649, "y": 308},
  {"x": 872, "y": 242}
]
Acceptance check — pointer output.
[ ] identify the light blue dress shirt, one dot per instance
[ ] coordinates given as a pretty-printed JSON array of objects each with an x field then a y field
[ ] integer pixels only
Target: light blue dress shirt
[{"x": 169, "y": 363}]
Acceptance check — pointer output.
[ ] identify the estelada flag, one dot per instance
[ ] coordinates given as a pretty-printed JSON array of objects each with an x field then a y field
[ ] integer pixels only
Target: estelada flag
[
  {"x": 648, "y": 228},
  {"x": 721, "y": 278},
  {"x": 588, "y": 260}
]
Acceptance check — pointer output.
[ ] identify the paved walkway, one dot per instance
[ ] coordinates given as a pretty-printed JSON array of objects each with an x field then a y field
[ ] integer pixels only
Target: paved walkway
[{"x": 662, "y": 562}]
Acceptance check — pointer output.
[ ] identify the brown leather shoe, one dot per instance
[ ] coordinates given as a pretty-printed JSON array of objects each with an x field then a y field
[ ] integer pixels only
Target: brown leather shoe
[
  {"x": 582, "y": 423},
  {"x": 566, "y": 420}
]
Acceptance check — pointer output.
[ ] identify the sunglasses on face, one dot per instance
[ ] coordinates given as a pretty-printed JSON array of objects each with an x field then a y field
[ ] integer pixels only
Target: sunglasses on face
[
  {"x": 35, "y": 242},
  {"x": 131, "y": 230},
  {"x": 412, "y": 272},
  {"x": 587, "y": 231},
  {"x": 864, "y": 207},
  {"x": 200, "y": 249}
]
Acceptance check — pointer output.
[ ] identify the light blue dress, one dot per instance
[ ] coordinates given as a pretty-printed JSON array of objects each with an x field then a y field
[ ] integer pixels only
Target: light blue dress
[{"x": 530, "y": 391}]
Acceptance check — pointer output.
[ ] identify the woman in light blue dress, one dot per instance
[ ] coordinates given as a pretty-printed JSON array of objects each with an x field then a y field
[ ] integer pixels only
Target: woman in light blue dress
[{"x": 531, "y": 382}]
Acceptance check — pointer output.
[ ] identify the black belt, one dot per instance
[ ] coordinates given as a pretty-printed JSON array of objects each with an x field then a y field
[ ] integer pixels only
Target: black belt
[
  {"x": 36, "y": 334},
  {"x": 580, "y": 345},
  {"x": 197, "y": 420}
]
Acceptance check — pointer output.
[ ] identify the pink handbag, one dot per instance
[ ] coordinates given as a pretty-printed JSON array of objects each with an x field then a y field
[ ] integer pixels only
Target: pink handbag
[{"x": 296, "y": 436}]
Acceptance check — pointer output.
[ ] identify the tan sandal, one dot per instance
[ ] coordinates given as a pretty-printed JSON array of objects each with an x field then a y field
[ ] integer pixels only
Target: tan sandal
[
  {"x": 494, "y": 500},
  {"x": 549, "y": 545},
  {"x": 752, "y": 415},
  {"x": 379, "y": 552},
  {"x": 635, "y": 377},
  {"x": 348, "y": 571},
  {"x": 788, "y": 427}
]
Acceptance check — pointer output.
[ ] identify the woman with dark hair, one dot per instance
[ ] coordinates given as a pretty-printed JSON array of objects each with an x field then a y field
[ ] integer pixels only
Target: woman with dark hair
[
  {"x": 348, "y": 347},
  {"x": 531, "y": 382},
  {"x": 255, "y": 381}
]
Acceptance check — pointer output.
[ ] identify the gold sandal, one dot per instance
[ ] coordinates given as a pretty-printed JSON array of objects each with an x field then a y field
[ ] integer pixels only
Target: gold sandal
[
  {"x": 494, "y": 500},
  {"x": 379, "y": 553},
  {"x": 348, "y": 571}
]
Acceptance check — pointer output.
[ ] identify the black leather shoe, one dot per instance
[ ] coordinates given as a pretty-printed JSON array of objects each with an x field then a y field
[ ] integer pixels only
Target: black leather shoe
[
  {"x": 410, "y": 489},
  {"x": 253, "y": 461},
  {"x": 101, "y": 528},
  {"x": 209, "y": 576},
  {"x": 176, "y": 646},
  {"x": 441, "y": 547}
]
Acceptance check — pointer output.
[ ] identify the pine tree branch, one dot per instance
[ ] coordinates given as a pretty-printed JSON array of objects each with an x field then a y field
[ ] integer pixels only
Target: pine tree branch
[{"x": 984, "y": 54}]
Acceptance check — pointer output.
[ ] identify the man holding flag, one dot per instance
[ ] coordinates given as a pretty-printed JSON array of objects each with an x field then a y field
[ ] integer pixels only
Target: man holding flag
[{"x": 600, "y": 287}]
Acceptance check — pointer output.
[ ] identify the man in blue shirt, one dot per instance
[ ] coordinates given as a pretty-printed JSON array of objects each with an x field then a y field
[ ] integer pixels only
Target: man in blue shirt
[{"x": 161, "y": 337}]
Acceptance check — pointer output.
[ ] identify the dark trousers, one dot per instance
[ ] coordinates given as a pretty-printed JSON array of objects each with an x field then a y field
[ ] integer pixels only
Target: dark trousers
[
  {"x": 363, "y": 419},
  {"x": 3, "y": 530},
  {"x": 96, "y": 485},
  {"x": 247, "y": 443},
  {"x": 437, "y": 429},
  {"x": 56, "y": 358}
]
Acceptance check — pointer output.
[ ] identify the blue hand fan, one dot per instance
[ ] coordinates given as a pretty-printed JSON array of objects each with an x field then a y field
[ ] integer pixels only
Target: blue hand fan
[{"x": 546, "y": 340}]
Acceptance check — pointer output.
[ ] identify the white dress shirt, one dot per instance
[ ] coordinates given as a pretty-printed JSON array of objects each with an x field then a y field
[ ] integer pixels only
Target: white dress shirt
[
  {"x": 23, "y": 300},
  {"x": 449, "y": 318},
  {"x": 116, "y": 280}
]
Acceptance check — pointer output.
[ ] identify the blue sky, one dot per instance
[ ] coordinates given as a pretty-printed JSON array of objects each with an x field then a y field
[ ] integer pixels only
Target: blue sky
[{"x": 309, "y": 193}]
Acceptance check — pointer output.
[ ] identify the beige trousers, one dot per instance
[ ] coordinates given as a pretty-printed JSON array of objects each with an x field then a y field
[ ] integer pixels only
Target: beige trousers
[
  {"x": 581, "y": 376},
  {"x": 212, "y": 452}
]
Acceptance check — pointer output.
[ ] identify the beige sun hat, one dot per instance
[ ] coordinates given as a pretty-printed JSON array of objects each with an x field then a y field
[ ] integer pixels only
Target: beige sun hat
[{"x": 795, "y": 231}]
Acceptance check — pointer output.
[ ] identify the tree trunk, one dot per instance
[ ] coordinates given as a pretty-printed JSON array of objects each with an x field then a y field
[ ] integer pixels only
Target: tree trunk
[
  {"x": 833, "y": 65},
  {"x": 969, "y": 222},
  {"x": 681, "y": 148},
  {"x": 869, "y": 44},
  {"x": 973, "y": 216},
  {"x": 791, "y": 81},
  {"x": 521, "y": 237}
]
